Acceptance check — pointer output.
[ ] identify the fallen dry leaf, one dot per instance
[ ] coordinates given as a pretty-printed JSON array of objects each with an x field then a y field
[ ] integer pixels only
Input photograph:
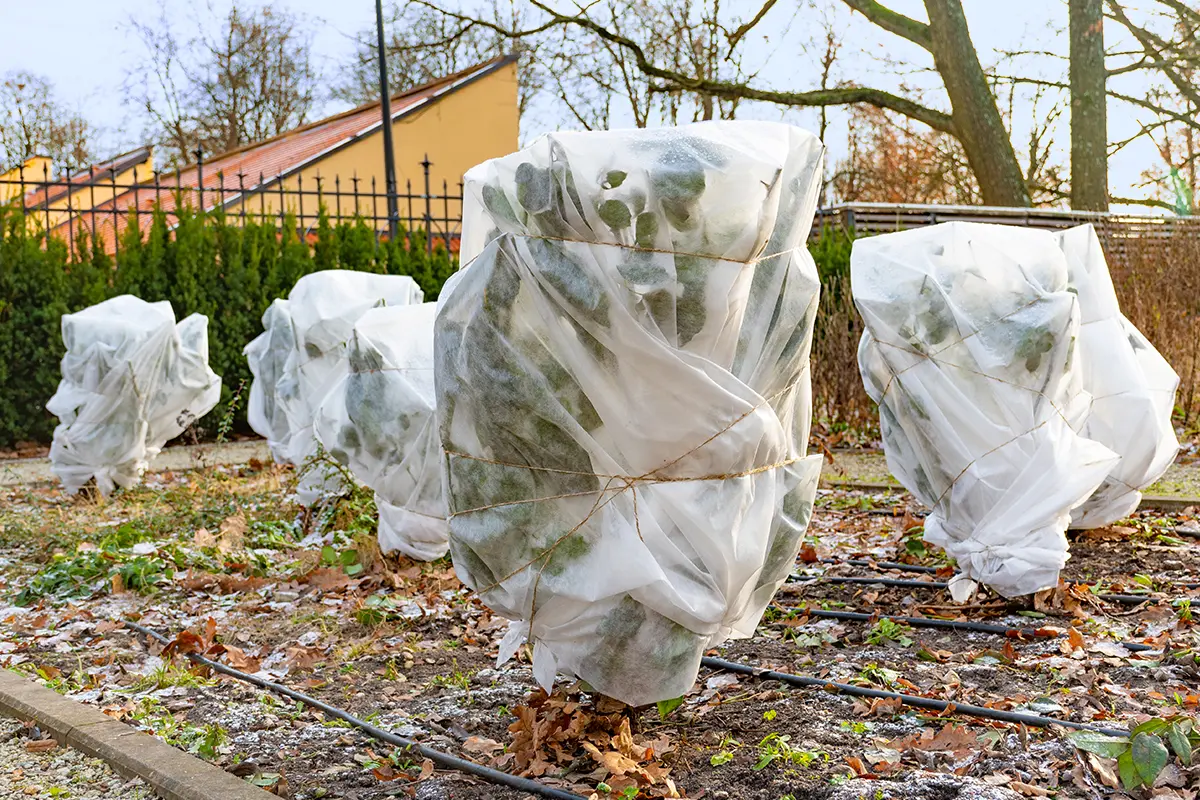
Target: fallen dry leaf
[
  {"x": 482, "y": 746},
  {"x": 237, "y": 658},
  {"x": 232, "y": 534},
  {"x": 1029, "y": 790},
  {"x": 41, "y": 745}
]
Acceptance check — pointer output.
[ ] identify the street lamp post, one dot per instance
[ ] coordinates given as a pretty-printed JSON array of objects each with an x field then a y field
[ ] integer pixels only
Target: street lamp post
[{"x": 389, "y": 155}]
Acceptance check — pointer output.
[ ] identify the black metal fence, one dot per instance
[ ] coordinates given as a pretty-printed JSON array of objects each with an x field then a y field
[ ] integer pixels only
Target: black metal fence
[{"x": 104, "y": 203}]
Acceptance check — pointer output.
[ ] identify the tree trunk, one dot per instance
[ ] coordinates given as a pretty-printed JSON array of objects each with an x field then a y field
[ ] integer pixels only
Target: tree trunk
[
  {"x": 976, "y": 118},
  {"x": 1089, "y": 110}
]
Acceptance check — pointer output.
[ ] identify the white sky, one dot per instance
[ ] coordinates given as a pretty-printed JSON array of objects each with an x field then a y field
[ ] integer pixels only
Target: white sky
[{"x": 84, "y": 46}]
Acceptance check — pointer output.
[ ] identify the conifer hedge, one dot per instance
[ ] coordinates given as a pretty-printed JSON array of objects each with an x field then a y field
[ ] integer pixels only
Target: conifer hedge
[{"x": 227, "y": 269}]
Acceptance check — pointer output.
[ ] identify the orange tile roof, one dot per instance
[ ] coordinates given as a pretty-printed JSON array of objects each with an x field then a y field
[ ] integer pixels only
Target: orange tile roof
[
  {"x": 261, "y": 164},
  {"x": 95, "y": 175}
]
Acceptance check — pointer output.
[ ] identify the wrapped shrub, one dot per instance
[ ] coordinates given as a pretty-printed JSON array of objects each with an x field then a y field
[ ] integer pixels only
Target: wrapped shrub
[
  {"x": 971, "y": 350},
  {"x": 132, "y": 380},
  {"x": 380, "y": 423},
  {"x": 301, "y": 356},
  {"x": 1132, "y": 387},
  {"x": 623, "y": 393}
]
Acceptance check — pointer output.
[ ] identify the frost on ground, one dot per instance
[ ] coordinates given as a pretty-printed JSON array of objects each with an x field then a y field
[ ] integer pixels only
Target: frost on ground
[
  {"x": 224, "y": 561},
  {"x": 32, "y": 766}
]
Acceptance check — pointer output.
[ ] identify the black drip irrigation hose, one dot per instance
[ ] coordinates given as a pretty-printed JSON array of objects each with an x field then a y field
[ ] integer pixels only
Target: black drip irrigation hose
[
  {"x": 436, "y": 756},
  {"x": 534, "y": 787},
  {"x": 953, "y": 625},
  {"x": 892, "y": 565},
  {"x": 907, "y": 583},
  {"x": 1014, "y": 717},
  {"x": 899, "y": 567}
]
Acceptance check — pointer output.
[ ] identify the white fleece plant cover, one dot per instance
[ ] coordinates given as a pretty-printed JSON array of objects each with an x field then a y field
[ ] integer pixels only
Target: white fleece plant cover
[
  {"x": 1132, "y": 387},
  {"x": 132, "y": 380},
  {"x": 624, "y": 393},
  {"x": 301, "y": 356},
  {"x": 380, "y": 423},
  {"x": 971, "y": 350}
]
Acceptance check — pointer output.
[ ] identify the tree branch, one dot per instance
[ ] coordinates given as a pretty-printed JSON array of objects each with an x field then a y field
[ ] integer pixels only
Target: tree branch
[
  {"x": 1182, "y": 9},
  {"x": 742, "y": 30},
  {"x": 893, "y": 22},
  {"x": 1142, "y": 201},
  {"x": 1154, "y": 47}
]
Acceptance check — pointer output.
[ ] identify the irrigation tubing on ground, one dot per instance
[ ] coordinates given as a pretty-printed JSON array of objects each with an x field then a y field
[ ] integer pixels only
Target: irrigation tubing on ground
[
  {"x": 899, "y": 567},
  {"x": 907, "y": 583},
  {"x": 436, "y": 756},
  {"x": 1034, "y": 720},
  {"x": 954, "y": 625}
]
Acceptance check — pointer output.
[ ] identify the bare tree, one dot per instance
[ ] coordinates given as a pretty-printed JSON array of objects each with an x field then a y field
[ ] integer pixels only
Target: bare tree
[
  {"x": 1165, "y": 58},
  {"x": 596, "y": 79},
  {"x": 34, "y": 122},
  {"x": 424, "y": 45},
  {"x": 244, "y": 77},
  {"x": 974, "y": 118},
  {"x": 891, "y": 159},
  {"x": 1173, "y": 55},
  {"x": 1089, "y": 106}
]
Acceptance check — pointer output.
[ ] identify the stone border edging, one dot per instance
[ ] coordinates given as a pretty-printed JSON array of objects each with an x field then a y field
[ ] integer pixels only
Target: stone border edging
[{"x": 172, "y": 773}]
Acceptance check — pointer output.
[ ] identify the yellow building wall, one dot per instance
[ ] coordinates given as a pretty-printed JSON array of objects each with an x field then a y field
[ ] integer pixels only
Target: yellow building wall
[
  {"x": 18, "y": 179},
  {"x": 469, "y": 125},
  {"x": 83, "y": 199}
]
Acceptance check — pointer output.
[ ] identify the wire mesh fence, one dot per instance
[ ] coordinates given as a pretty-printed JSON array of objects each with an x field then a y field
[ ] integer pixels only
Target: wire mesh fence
[{"x": 102, "y": 204}]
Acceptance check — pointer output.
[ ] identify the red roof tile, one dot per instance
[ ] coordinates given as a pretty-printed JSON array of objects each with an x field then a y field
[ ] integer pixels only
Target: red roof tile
[{"x": 264, "y": 163}]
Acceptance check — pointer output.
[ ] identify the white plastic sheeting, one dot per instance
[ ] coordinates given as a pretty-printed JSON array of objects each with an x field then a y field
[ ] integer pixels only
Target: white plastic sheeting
[
  {"x": 1132, "y": 387},
  {"x": 624, "y": 394},
  {"x": 380, "y": 423},
  {"x": 972, "y": 352},
  {"x": 301, "y": 356},
  {"x": 132, "y": 380}
]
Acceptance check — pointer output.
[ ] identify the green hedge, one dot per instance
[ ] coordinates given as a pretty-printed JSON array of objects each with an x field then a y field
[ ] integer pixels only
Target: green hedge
[
  {"x": 227, "y": 269},
  {"x": 231, "y": 269}
]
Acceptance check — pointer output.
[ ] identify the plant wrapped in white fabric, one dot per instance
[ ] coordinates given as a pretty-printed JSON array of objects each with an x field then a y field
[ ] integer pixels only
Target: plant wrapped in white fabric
[
  {"x": 132, "y": 380},
  {"x": 624, "y": 394},
  {"x": 971, "y": 352},
  {"x": 267, "y": 354},
  {"x": 380, "y": 423},
  {"x": 1132, "y": 387},
  {"x": 301, "y": 356}
]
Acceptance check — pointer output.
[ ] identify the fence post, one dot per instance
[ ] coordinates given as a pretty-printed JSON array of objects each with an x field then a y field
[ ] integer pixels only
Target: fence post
[
  {"x": 242, "y": 196},
  {"x": 70, "y": 215},
  {"x": 337, "y": 197},
  {"x": 46, "y": 204},
  {"x": 137, "y": 208},
  {"x": 199, "y": 154},
  {"x": 157, "y": 189},
  {"x": 428, "y": 217},
  {"x": 112, "y": 182},
  {"x": 408, "y": 194},
  {"x": 92, "y": 200},
  {"x": 446, "y": 215},
  {"x": 300, "y": 201},
  {"x": 375, "y": 210}
]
